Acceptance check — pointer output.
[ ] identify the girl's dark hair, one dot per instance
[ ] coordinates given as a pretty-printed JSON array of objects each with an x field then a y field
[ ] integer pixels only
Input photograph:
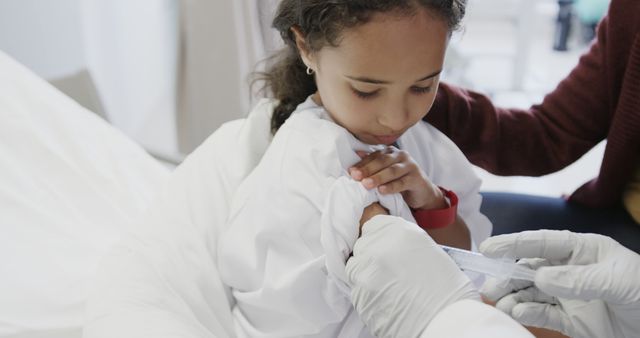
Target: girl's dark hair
[{"x": 321, "y": 22}]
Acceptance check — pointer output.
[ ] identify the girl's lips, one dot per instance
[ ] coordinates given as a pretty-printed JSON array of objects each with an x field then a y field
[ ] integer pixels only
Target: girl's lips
[{"x": 387, "y": 139}]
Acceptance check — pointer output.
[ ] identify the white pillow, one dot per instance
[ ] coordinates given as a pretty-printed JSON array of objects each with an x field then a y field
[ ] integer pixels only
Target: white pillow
[{"x": 69, "y": 184}]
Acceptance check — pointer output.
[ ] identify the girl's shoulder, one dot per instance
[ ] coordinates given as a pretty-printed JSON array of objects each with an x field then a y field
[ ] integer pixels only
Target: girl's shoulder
[
  {"x": 313, "y": 121},
  {"x": 310, "y": 140}
]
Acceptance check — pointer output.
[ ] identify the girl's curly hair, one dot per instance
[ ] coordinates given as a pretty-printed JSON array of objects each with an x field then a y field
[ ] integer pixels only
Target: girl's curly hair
[{"x": 322, "y": 22}]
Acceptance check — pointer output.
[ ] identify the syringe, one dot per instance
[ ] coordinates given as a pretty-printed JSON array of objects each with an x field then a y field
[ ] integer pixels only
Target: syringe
[{"x": 476, "y": 262}]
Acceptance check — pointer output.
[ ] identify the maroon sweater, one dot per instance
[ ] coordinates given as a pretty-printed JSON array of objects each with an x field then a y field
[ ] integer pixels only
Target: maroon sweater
[{"x": 599, "y": 100}]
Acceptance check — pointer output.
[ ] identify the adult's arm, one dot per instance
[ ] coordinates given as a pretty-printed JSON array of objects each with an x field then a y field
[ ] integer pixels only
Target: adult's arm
[{"x": 542, "y": 139}]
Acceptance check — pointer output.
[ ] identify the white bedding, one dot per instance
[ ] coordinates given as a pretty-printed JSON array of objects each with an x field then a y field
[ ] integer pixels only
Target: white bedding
[
  {"x": 70, "y": 184},
  {"x": 162, "y": 280}
]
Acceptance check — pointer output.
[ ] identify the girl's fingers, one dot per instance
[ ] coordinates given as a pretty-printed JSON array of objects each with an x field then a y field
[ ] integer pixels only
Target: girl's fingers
[
  {"x": 387, "y": 176},
  {"x": 376, "y": 162},
  {"x": 368, "y": 157},
  {"x": 362, "y": 154},
  {"x": 356, "y": 170},
  {"x": 398, "y": 185}
]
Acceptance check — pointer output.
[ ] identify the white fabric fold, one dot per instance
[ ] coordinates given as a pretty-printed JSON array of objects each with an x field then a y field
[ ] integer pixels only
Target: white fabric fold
[
  {"x": 70, "y": 185},
  {"x": 162, "y": 279},
  {"x": 343, "y": 209}
]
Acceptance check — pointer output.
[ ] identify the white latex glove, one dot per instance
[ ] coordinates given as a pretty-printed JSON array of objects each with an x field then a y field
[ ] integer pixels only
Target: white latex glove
[
  {"x": 401, "y": 279},
  {"x": 586, "y": 285}
]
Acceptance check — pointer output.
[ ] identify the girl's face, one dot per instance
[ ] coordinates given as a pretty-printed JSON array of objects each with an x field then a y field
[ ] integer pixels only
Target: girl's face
[{"x": 383, "y": 76}]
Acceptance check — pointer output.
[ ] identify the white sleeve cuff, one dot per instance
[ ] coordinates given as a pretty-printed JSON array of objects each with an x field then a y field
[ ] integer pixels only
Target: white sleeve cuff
[{"x": 470, "y": 318}]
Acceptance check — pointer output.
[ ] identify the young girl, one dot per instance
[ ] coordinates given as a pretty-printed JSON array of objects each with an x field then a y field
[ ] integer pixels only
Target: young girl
[{"x": 352, "y": 86}]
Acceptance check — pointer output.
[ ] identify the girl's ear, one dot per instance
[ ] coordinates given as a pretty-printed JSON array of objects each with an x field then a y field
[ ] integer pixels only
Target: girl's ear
[{"x": 301, "y": 44}]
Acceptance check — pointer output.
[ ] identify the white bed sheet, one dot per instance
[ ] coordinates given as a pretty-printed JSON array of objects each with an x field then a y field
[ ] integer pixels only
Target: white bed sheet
[
  {"x": 69, "y": 185},
  {"x": 162, "y": 280}
]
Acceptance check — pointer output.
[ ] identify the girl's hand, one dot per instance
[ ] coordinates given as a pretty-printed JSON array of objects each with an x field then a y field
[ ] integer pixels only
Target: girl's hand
[
  {"x": 392, "y": 170},
  {"x": 372, "y": 210}
]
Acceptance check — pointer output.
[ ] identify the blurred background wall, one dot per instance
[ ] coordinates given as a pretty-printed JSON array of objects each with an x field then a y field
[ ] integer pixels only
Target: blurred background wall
[
  {"x": 169, "y": 72},
  {"x": 221, "y": 43},
  {"x": 126, "y": 51}
]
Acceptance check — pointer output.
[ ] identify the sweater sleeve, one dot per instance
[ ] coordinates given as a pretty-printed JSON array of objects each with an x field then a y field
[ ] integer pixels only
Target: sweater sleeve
[{"x": 536, "y": 141}]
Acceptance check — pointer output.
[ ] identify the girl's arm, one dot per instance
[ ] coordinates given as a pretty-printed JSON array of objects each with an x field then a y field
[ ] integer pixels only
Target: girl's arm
[
  {"x": 440, "y": 219},
  {"x": 394, "y": 171},
  {"x": 456, "y": 235}
]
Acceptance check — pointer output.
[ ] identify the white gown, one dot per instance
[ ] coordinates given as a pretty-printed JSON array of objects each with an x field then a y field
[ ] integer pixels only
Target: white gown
[{"x": 294, "y": 220}]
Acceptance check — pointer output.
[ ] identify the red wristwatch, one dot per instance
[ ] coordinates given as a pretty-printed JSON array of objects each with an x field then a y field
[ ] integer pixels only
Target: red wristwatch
[{"x": 438, "y": 218}]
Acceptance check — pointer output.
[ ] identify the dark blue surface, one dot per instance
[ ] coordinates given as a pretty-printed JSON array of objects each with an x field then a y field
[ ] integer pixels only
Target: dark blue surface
[{"x": 511, "y": 213}]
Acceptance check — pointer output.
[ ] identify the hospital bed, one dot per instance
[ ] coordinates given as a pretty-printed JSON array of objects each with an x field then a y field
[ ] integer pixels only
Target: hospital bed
[{"x": 72, "y": 187}]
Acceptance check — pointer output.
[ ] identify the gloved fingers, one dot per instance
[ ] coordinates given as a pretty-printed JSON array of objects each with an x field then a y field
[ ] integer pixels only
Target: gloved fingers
[
  {"x": 392, "y": 277},
  {"x": 533, "y": 263},
  {"x": 583, "y": 282},
  {"x": 507, "y": 303},
  {"x": 547, "y": 316},
  {"x": 383, "y": 233},
  {"x": 360, "y": 271},
  {"x": 496, "y": 288},
  {"x": 373, "y": 232},
  {"x": 377, "y": 249},
  {"x": 549, "y": 244},
  {"x": 532, "y": 307},
  {"x": 360, "y": 267}
]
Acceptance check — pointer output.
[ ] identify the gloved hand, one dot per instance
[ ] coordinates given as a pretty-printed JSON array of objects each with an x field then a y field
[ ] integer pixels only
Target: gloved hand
[
  {"x": 400, "y": 278},
  {"x": 586, "y": 285}
]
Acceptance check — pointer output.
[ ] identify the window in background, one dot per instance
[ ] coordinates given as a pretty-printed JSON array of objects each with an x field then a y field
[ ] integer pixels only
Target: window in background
[{"x": 505, "y": 51}]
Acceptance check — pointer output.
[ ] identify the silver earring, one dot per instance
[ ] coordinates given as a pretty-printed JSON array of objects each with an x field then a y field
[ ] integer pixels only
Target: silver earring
[{"x": 310, "y": 71}]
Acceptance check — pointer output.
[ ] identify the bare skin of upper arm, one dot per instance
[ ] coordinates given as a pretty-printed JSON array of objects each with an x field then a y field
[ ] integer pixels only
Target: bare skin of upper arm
[{"x": 456, "y": 235}]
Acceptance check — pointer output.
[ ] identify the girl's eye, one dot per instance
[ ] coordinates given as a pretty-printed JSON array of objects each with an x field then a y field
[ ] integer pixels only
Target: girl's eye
[
  {"x": 421, "y": 90},
  {"x": 365, "y": 95}
]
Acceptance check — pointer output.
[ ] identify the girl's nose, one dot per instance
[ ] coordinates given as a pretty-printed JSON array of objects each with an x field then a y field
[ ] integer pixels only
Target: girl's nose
[{"x": 395, "y": 118}]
